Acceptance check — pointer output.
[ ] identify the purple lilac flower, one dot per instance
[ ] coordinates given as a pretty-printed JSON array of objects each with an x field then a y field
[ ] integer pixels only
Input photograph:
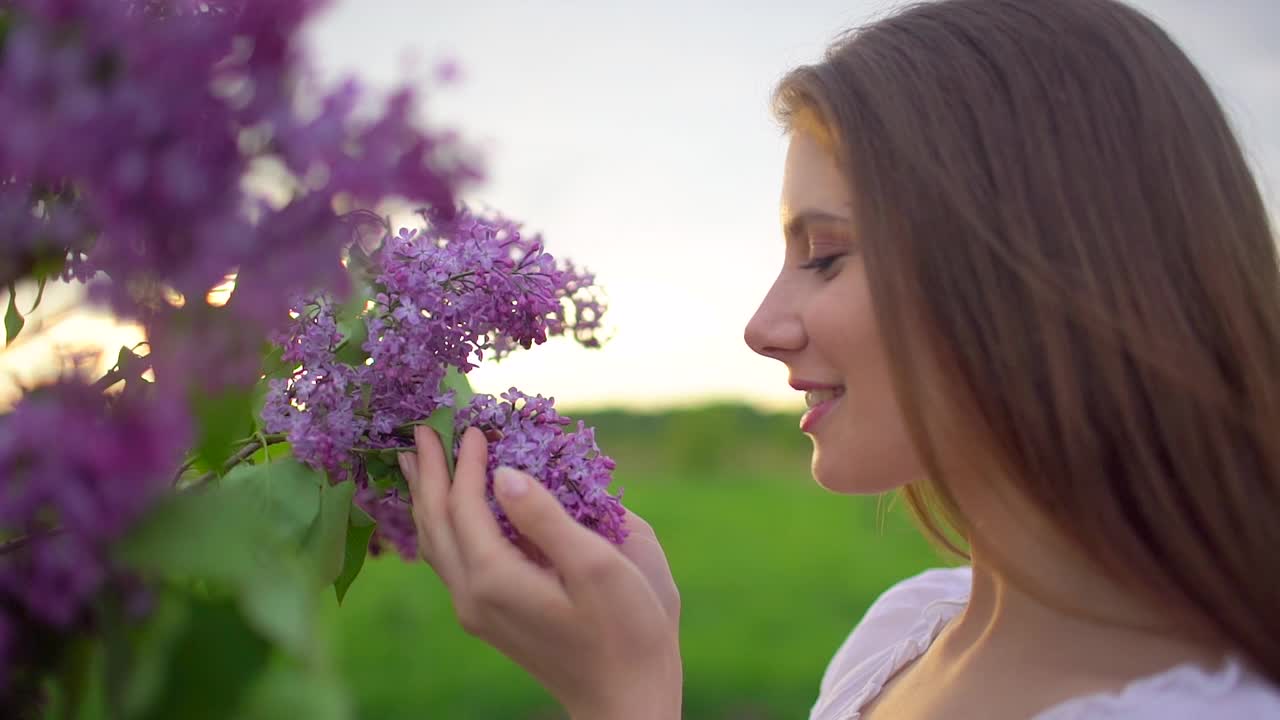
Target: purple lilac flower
[{"x": 69, "y": 500}]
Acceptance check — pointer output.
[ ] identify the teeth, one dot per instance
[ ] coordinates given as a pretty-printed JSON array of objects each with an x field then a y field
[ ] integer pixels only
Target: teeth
[{"x": 813, "y": 398}]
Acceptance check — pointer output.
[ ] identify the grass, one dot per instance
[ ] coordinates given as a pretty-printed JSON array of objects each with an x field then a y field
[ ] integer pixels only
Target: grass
[{"x": 773, "y": 573}]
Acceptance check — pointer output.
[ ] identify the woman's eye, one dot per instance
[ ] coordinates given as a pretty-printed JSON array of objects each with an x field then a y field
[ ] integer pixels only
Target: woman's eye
[{"x": 822, "y": 264}]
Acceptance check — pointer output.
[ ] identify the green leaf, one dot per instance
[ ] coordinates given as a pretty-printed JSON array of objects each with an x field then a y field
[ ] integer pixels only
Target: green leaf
[
  {"x": 124, "y": 358},
  {"x": 285, "y": 494},
  {"x": 80, "y": 690},
  {"x": 354, "y": 333},
  {"x": 224, "y": 532},
  {"x": 442, "y": 419},
  {"x": 393, "y": 480},
  {"x": 271, "y": 453},
  {"x": 280, "y": 601},
  {"x": 442, "y": 422},
  {"x": 258, "y": 401},
  {"x": 326, "y": 539},
  {"x": 279, "y": 594},
  {"x": 223, "y": 418},
  {"x": 13, "y": 320},
  {"x": 244, "y": 535},
  {"x": 214, "y": 663},
  {"x": 61, "y": 701},
  {"x": 6, "y": 22},
  {"x": 460, "y": 385},
  {"x": 39, "y": 293},
  {"x": 211, "y": 534},
  {"x": 49, "y": 264},
  {"x": 151, "y": 647},
  {"x": 273, "y": 364},
  {"x": 359, "y": 529},
  {"x": 382, "y": 467},
  {"x": 288, "y": 690},
  {"x": 130, "y": 365}
]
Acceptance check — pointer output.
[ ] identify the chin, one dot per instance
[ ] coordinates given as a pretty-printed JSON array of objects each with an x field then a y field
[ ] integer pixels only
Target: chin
[{"x": 849, "y": 475}]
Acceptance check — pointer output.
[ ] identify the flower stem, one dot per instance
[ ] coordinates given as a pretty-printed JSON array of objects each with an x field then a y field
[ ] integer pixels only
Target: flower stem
[
  {"x": 250, "y": 447},
  {"x": 116, "y": 374},
  {"x": 22, "y": 541}
]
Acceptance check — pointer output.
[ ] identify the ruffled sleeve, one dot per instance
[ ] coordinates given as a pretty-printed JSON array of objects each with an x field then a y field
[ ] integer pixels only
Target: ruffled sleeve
[{"x": 896, "y": 628}]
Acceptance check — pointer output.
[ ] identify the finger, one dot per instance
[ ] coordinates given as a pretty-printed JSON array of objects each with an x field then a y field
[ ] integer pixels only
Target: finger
[
  {"x": 479, "y": 538},
  {"x": 642, "y": 548},
  {"x": 509, "y": 588},
  {"x": 539, "y": 516},
  {"x": 532, "y": 552},
  {"x": 424, "y": 528},
  {"x": 427, "y": 475}
]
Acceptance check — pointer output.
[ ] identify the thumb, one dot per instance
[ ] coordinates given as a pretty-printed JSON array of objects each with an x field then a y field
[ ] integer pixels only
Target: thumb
[{"x": 540, "y": 517}]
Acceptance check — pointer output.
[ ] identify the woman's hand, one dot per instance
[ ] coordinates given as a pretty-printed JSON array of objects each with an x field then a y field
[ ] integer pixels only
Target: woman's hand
[{"x": 596, "y": 624}]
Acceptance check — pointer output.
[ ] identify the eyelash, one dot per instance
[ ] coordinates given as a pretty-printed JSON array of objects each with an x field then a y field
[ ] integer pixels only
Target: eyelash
[{"x": 822, "y": 264}]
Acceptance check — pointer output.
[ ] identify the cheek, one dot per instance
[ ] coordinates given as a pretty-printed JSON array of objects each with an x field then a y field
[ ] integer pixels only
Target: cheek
[{"x": 866, "y": 449}]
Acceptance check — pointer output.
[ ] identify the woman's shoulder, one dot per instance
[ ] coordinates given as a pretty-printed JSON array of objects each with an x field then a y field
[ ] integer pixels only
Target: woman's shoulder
[
  {"x": 897, "y": 615},
  {"x": 1187, "y": 692}
]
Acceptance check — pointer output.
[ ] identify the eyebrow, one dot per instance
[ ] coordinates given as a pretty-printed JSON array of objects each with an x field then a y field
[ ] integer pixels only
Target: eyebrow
[{"x": 799, "y": 223}]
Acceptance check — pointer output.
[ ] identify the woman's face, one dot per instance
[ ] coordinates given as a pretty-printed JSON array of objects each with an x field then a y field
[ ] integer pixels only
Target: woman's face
[{"x": 818, "y": 321}]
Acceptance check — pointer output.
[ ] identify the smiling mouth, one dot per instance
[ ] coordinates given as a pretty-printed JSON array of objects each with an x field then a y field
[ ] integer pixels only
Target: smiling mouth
[
  {"x": 814, "y": 398},
  {"x": 820, "y": 403}
]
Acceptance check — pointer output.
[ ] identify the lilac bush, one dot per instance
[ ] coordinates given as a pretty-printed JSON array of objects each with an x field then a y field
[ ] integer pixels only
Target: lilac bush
[
  {"x": 246, "y": 459},
  {"x": 132, "y": 142}
]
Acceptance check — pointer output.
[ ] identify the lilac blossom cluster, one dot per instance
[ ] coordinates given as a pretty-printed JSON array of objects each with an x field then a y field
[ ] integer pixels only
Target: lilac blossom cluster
[
  {"x": 447, "y": 295},
  {"x": 316, "y": 406},
  {"x": 129, "y": 127},
  {"x": 524, "y": 432},
  {"x": 466, "y": 287},
  {"x": 60, "y": 509}
]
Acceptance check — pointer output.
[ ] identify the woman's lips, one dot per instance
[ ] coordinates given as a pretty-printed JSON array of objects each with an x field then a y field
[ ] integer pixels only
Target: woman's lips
[{"x": 817, "y": 412}]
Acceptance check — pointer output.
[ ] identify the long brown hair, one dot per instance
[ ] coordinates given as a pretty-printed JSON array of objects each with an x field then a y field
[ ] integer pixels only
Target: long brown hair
[{"x": 1059, "y": 224}]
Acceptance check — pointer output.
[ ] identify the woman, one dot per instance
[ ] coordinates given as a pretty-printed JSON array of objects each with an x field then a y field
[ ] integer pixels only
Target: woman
[{"x": 1029, "y": 280}]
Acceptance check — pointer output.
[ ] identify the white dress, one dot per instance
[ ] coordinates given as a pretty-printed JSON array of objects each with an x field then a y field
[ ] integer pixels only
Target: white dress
[{"x": 903, "y": 622}]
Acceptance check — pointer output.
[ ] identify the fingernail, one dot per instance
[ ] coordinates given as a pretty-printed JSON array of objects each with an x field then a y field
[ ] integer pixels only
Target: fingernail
[
  {"x": 511, "y": 483},
  {"x": 403, "y": 459}
]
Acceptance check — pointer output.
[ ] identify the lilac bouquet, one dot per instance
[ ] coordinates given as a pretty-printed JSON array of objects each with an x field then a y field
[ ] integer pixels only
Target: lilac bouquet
[{"x": 164, "y": 529}]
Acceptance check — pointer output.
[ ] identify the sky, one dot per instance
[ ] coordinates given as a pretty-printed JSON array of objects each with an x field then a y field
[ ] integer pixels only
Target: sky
[{"x": 636, "y": 138}]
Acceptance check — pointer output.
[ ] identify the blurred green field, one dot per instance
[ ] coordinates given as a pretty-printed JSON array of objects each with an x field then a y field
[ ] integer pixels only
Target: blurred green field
[{"x": 773, "y": 572}]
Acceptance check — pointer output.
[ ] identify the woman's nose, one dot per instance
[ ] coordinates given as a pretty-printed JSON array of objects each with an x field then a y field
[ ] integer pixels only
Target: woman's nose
[{"x": 776, "y": 328}]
